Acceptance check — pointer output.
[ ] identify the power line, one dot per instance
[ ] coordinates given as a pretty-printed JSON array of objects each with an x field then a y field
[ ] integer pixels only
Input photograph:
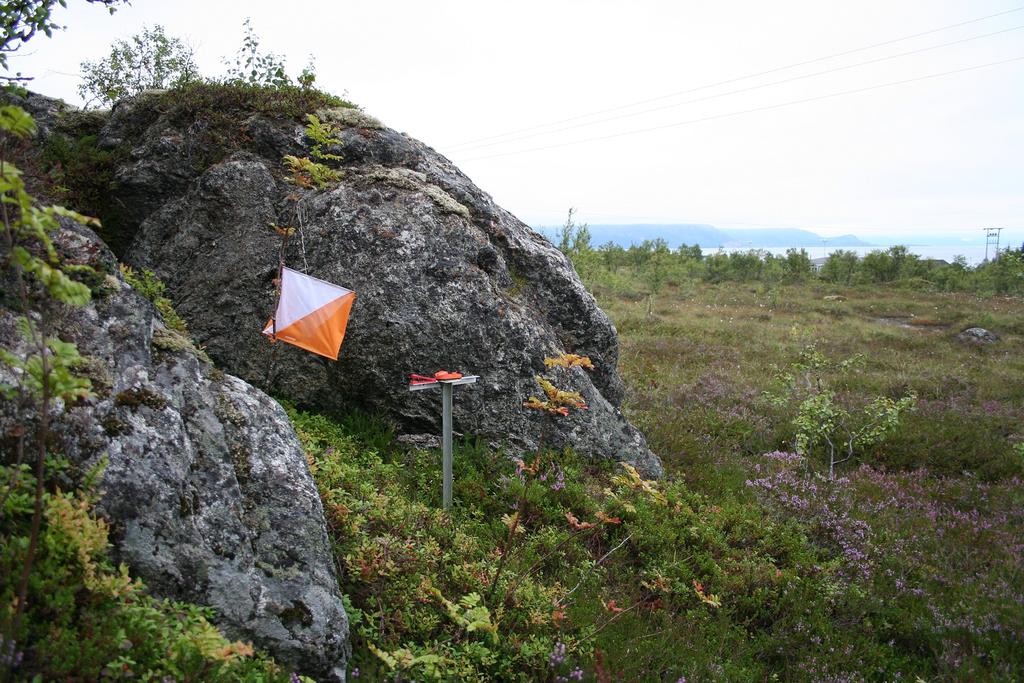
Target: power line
[
  {"x": 748, "y": 111},
  {"x": 50, "y": 72},
  {"x": 740, "y": 90},
  {"x": 739, "y": 78}
]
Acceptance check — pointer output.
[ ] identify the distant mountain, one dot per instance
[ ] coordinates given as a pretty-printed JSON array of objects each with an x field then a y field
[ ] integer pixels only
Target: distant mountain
[
  {"x": 789, "y": 237},
  {"x": 707, "y": 236}
]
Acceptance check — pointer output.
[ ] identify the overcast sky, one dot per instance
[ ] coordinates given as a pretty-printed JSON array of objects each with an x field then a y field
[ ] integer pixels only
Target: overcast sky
[{"x": 935, "y": 155}]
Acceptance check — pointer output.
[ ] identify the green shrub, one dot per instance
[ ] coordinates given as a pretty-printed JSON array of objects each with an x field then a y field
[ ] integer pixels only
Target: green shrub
[
  {"x": 149, "y": 285},
  {"x": 607, "y": 573},
  {"x": 253, "y": 67},
  {"x": 151, "y": 60},
  {"x": 88, "y": 620},
  {"x": 237, "y": 99},
  {"x": 80, "y": 172}
]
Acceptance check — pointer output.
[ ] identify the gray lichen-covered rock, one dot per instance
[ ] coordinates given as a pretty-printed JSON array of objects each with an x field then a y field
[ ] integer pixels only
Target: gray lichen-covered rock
[
  {"x": 977, "y": 335},
  {"x": 206, "y": 486},
  {"x": 444, "y": 277}
]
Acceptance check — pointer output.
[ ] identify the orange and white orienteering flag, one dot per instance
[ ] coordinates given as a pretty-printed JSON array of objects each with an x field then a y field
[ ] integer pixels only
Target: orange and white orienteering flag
[{"x": 312, "y": 314}]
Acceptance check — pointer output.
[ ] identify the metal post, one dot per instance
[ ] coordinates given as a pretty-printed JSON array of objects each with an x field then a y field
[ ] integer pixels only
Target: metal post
[
  {"x": 446, "y": 427},
  {"x": 446, "y": 444}
]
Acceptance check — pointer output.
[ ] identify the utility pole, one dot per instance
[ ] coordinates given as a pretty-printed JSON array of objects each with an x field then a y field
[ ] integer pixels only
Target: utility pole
[{"x": 992, "y": 237}]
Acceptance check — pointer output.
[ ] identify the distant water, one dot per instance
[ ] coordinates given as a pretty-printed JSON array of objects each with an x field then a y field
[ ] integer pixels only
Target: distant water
[{"x": 974, "y": 253}]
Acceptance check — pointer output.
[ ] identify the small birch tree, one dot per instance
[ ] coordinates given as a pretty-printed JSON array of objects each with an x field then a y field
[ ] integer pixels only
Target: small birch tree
[
  {"x": 826, "y": 430},
  {"x": 148, "y": 60}
]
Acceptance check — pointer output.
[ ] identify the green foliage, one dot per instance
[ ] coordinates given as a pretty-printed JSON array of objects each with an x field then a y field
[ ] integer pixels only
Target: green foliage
[
  {"x": 470, "y": 615},
  {"x": 403, "y": 660},
  {"x": 80, "y": 173},
  {"x": 1006, "y": 273},
  {"x": 323, "y": 134},
  {"x": 150, "y": 286},
  {"x": 655, "y": 271},
  {"x": 149, "y": 60},
  {"x": 237, "y": 101},
  {"x": 46, "y": 364},
  {"x": 51, "y": 373},
  {"x": 573, "y": 238},
  {"x": 607, "y": 572},
  {"x": 797, "y": 265},
  {"x": 16, "y": 121},
  {"x": 53, "y": 279},
  {"x": 43, "y": 364},
  {"x": 253, "y": 67},
  {"x": 888, "y": 265},
  {"x": 653, "y": 264},
  {"x": 743, "y": 266},
  {"x": 825, "y": 425},
  {"x": 29, "y": 226},
  {"x": 89, "y": 620},
  {"x": 65, "y": 612},
  {"x": 307, "y": 77},
  {"x": 840, "y": 267},
  {"x": 310, "y": 174}
]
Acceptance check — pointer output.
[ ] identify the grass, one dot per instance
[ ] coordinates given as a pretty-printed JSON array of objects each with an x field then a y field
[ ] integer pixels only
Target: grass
[{"x": 698, "y": 367}]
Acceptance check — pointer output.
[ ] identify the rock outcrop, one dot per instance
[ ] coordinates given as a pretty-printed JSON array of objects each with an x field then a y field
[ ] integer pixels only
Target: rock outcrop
[
  {"x": 977, "y": 335},
  {"x": 444, "y": 277},
  {"x": 206, "y": 486}
]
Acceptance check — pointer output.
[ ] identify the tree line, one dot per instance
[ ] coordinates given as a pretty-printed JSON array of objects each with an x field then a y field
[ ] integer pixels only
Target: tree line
[{"x": 655, "y": 263}]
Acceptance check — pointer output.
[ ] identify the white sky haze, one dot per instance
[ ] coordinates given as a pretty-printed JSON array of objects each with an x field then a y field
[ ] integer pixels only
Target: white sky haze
[{"x": 942, "y": 155}]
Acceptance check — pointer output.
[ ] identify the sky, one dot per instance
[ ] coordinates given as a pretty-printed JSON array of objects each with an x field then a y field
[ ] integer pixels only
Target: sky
[{"x": 656, "y": 111}]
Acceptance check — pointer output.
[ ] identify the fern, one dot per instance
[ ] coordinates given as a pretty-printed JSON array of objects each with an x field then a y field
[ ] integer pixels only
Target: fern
[
  {"x": 322, "y": 133},
  {"x": 310, "y": 174}
]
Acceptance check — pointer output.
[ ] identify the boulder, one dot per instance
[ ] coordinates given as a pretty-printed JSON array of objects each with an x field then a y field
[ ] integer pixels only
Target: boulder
[
  {"x": 445, "y": 278},
  {"x": 977, "y": 335},
  {"x": 206, "y": 485}
]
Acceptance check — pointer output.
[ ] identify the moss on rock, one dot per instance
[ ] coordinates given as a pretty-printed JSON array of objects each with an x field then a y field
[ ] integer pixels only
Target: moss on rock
[
  {"x": 97, "y": 372},
  {"x": 140, "y": 396},
  {"x": 350, "y": 117},
  {"x": 414, "y": 181}
]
